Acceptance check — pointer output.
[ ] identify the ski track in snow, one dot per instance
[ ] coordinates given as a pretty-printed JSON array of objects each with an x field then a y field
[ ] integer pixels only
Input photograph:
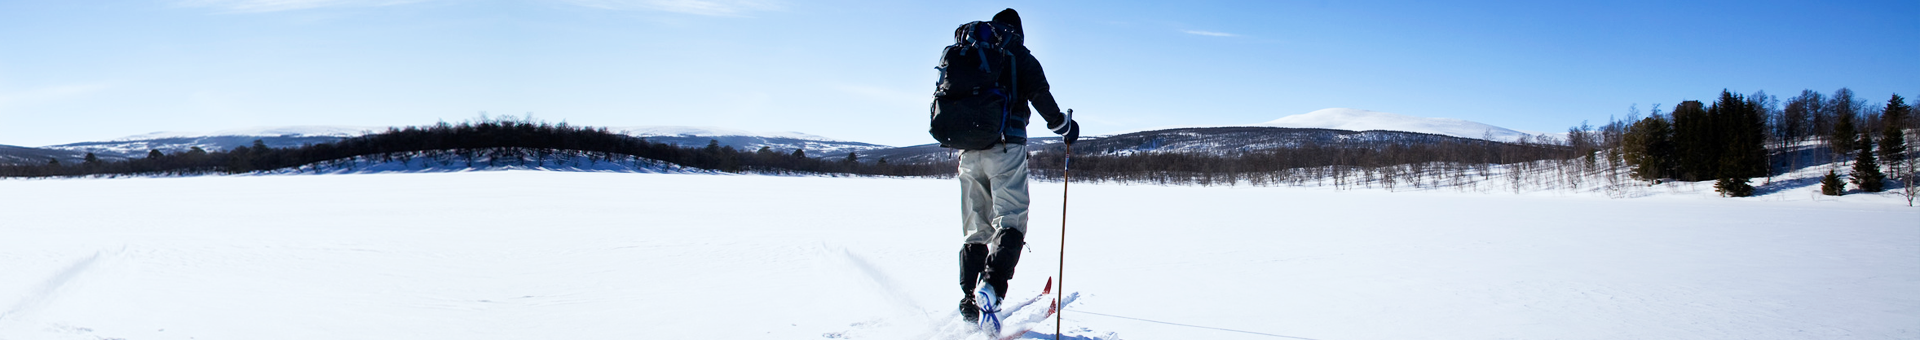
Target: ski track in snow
[
  {"x": 654, "y": 254},
  {"x": 49, "y": 289}
]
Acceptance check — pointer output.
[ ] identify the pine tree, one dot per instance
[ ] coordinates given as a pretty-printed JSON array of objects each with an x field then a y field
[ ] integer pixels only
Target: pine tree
[
  {"x": 1697, "y": 141},
  {"x": 1648, "y": 147},
  {"x": 1831, "y": 185},
  {"x": 1734, "y": 187},
  {"x": 91, "y": 159},
  {"x": 1893, "y": 142},
  {"x": 1866, "y": 173},
  {"x": 1743, "y": 130}
]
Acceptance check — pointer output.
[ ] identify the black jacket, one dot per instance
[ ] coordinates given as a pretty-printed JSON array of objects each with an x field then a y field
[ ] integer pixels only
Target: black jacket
[{"x": 1030, "y": 87}]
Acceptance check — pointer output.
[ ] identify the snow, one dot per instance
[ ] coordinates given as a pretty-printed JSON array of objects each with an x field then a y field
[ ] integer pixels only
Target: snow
[
  {"x": 265, "y": 131},
  {"x": 709, "y": 131},
  {"x": 1363, "y": 120},
  {"x": 607, "y": 255}
]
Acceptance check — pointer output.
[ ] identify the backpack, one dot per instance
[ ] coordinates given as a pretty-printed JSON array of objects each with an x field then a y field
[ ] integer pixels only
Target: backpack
[{"x": 970, "y": 105}]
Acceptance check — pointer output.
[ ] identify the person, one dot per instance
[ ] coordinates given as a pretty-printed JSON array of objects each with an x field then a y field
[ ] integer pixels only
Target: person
[{"x": 993, "y": 181}]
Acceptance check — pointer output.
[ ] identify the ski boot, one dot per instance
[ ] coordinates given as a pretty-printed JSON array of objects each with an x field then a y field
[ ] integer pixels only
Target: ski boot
[{"x": 988, "y": 299}]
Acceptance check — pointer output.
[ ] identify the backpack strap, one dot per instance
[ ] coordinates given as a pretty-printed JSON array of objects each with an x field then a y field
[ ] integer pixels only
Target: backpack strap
[{"x": 1006, "y": 112}]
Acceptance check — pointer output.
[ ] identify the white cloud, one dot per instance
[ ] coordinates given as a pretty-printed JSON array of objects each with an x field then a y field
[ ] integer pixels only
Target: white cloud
[
  {"x": 256, "y": 6},
  {"x": 1209, "y": 33},
  {"x": 697, "y": 7}
]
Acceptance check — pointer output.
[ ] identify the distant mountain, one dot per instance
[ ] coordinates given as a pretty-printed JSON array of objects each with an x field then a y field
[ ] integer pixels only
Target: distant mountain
[
  {"x": 10, "y": 154},
  {"x": 1227, "y": 140},
  {"x": 1241, "y": 139},
  {"x": 1364, "y": 120},
  {"x": 786, "y": 142},
  {"x": 267, "y": 131},
  {"x": 170, "y": 142}
]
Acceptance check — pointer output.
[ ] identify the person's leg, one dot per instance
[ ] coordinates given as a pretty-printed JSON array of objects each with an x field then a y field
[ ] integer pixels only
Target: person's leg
[
  {"x": 1008, "y": 179},
  {"x": 976, "y": 213}
]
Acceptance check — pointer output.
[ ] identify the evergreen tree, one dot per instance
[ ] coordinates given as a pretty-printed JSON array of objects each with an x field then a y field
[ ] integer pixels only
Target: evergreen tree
[
  {"x": 853, "y": 157},
  {"x": 53, "y": 161},
  {"x": 1697, "y": 141},
  {"x": 1734, "y": 187},
  {"x": 799, "y": 153},
  {"x": 154, "y": 153},
  {"x": 1831, "y": 185},
  {"x": 91, "y": 159},
  {"x": 1743, "y": 135},
  {"x": 1866, "y": 173},
  {"x": 1648, "y": 148},
  {"x": 1893, "y": 140}
]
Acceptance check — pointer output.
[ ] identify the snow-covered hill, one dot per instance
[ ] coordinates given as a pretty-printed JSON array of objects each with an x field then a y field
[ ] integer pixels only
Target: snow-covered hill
[
  {"x": 10, "y": 154},
  {"x": 266, "y": 131},
  {"x": 785, "y": 141},
  {"x": 170, "y": 142},
  {"x": 1363, "y": 120}
]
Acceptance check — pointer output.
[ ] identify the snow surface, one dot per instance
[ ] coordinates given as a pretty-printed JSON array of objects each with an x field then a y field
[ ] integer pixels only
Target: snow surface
[
  {"x": 594, "y": 255},
  {"x": 1363, "y": 120}
]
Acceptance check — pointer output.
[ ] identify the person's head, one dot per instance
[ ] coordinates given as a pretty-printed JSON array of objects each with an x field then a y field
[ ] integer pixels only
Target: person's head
[{"x": 1009, "y": 17}]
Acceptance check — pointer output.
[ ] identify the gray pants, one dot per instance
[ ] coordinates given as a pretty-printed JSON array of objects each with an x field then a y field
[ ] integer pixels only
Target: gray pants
[{"x": 993, "y": 191}]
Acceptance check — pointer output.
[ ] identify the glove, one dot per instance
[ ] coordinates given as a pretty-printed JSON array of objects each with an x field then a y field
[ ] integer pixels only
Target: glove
[
  {"x": 1070, "y": 131},
  {"x": 1073, "y": 132}
]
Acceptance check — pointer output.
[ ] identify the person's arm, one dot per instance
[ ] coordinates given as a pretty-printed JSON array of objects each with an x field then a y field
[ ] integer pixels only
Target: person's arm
[{"x": 1033, "y": 87}]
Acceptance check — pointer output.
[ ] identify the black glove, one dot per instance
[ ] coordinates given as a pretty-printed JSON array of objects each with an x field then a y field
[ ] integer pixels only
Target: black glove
[
  {"x": 1073, "y": 132},
  {"x": 1068, "y": 132}
]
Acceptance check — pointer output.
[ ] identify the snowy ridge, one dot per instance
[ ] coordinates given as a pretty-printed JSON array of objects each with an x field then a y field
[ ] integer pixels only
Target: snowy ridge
[
  {"x": 265, "y": 131},
  {"x": 815, "y": 146},
  {"x": 1364, "y": 120},
  {"x": 709, "y": 131},
  {"x": 173, "y": 145}
]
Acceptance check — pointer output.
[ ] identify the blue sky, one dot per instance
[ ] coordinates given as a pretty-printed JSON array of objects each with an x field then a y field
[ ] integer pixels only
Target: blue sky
[{"x": 863, "y": 70}]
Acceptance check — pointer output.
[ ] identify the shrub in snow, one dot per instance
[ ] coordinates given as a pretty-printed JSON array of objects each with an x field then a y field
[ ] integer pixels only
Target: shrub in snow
[
  {"x": 1831, "y": 184},
  {"x": 1733, "y": 187}
]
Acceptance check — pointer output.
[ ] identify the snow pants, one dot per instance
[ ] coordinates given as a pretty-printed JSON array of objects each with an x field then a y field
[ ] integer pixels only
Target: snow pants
[
  {"x": 993, "y": 214},
  {"x": 993, "y": 191}
]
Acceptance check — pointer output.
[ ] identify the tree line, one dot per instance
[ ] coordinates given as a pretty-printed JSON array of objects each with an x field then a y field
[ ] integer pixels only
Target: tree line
[
  {"x": 483, "y": 142},
  {"x": 1730, "y": 141},
  {"x": 1740, "y": 137}
]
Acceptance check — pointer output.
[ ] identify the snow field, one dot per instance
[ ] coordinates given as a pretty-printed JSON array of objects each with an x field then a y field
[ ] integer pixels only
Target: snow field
[{"x": 539, "y": 254}]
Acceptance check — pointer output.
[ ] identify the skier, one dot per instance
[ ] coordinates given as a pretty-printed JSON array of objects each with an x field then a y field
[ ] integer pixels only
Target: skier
[{"x": 993, "y": 181}]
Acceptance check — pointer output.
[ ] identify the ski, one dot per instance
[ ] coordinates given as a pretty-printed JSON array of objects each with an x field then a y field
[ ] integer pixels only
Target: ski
[
  {"x": 960, "y": 329},
  {"x": 1027, "y": 325},
  {"x": 1019, "y": 318}
]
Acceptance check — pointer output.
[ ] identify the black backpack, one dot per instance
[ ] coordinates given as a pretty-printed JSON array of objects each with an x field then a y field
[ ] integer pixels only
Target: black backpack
[{"x": 970, "y": 105}]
